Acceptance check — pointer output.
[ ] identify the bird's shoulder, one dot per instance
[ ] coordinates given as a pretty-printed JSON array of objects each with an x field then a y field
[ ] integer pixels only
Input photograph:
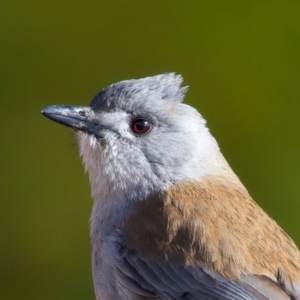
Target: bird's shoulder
[{"x": 216, "y": 225}]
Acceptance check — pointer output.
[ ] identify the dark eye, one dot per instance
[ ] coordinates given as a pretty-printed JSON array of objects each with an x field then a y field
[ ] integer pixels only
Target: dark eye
[{"x": 141, "y": 126}]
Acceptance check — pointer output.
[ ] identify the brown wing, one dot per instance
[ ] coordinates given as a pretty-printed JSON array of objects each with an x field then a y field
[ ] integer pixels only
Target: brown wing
[{"x": 213, "y": 226}]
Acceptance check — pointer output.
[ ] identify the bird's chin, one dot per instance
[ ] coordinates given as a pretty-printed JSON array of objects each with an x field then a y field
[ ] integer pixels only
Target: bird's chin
[{"x": 88, "y": 139}]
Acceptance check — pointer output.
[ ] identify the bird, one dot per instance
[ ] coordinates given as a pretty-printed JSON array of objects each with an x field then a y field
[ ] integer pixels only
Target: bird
[{"x": 170, "y": 218}]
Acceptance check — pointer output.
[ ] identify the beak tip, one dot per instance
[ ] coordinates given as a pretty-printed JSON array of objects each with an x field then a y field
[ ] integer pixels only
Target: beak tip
[{"x": 48, "y": 110}]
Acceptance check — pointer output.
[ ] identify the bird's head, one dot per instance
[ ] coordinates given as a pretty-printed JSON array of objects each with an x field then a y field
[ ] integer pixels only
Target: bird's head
[{"x": 137, "y": 136}]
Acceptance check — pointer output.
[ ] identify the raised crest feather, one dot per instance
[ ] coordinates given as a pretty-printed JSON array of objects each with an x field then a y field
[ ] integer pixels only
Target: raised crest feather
[{"x": 164, "y": 86}]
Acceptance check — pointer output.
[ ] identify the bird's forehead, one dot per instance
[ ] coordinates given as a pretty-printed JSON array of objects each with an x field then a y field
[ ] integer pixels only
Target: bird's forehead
[{"x": 131, "y": 95}]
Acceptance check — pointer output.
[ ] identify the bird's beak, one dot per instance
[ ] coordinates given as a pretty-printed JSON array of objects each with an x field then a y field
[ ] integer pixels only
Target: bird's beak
[{"x": 77, "y": 117}]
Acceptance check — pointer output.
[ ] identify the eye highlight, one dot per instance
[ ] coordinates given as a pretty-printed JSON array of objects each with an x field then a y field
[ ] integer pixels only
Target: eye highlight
[{"x": 140, "y": 126}]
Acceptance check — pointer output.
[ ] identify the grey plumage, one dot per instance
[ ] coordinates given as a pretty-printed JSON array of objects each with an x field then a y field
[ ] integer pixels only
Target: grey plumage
[{"x": 170, "y": 219}]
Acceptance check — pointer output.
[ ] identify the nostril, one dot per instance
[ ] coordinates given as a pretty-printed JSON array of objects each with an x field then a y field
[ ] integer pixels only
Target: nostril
[{"x": 82, "y": 113}]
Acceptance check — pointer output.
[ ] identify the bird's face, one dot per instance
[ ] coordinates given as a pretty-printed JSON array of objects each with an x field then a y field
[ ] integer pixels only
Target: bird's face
[{"x": 137, "y": 137}]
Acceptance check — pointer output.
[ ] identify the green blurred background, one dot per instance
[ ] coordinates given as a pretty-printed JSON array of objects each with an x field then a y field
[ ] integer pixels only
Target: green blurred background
[{"x": 241, "y": 60}]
